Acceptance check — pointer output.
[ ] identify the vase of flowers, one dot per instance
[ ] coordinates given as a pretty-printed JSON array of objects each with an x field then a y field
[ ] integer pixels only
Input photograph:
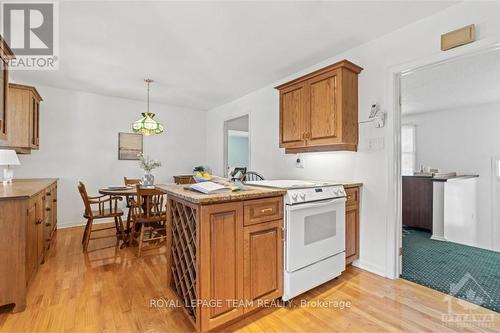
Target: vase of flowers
[{"x": 148, "y": 165}]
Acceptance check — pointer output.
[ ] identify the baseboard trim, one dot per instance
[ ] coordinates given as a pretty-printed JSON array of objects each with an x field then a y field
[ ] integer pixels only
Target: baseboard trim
[
  {"x": 439, "y": 238},
  {"x": 369, "y": 267}
]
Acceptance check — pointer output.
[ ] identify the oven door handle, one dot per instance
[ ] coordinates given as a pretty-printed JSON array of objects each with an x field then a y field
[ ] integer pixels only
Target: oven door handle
[{"x": 321, "y": 203}]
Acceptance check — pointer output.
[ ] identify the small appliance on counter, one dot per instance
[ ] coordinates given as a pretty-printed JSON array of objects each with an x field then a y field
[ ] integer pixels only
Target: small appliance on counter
[{"x": 314, "y": 233}]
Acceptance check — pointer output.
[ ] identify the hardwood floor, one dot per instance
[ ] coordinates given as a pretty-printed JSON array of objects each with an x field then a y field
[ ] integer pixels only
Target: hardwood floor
[{"x": 111, "y": 290}]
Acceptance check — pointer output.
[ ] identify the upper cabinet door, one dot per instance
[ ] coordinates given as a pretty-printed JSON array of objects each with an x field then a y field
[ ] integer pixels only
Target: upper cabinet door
[
  {"x": 324, "y": 109},
  {"x": 293, "y": 116}
]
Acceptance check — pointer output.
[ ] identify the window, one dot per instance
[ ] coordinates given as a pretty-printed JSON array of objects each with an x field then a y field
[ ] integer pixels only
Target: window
[{"x": 408, "y": 150}]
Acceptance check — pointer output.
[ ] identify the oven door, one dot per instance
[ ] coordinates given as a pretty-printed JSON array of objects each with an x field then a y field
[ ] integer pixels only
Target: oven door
[{"x": 314, "y": 231}]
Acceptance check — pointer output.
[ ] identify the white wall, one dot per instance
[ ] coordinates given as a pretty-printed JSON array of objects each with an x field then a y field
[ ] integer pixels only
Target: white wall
[
  {"x": 405, "y": 47},
  {"x": 79, "y": 141},
  {"x": 463, "y": 140}
]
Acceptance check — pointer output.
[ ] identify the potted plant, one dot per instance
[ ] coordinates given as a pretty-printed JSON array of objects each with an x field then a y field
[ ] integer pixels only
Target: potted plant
[{"x": 147, "y": 165}]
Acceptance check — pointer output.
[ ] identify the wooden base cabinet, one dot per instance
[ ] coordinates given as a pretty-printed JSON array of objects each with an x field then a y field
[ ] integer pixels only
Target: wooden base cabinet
[
  {"x": 352, "y": 224},
  {"x": 237, "y": 248},
  {"x": 263, "y": 263},
  {"x": 24, "y": 238},
  {"x": 221, "y": 273}
]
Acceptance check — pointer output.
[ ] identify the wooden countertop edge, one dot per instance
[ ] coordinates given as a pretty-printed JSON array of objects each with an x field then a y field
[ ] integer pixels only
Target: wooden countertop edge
[{"x": 28, "y": 194}]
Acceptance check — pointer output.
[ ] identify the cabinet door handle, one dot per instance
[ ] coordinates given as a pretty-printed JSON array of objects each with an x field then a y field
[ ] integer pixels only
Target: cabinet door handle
[{"x": 266, "y": 210}]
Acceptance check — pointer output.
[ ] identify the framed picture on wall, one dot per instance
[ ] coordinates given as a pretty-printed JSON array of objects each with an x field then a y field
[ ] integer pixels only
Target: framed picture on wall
[{"x": 129, "y": 146}]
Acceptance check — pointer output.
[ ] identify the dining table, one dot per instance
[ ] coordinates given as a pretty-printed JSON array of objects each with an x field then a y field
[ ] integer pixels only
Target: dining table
[
  {"x": 122, "y": 191},
  {"x": 125, "y": 191}
]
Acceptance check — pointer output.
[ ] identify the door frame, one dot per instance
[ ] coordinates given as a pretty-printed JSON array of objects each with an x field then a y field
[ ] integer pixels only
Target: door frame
[
  {"x": 224, "y": 136},
  {"x": 393, "y": 85},
  {"x": 495, "y": 211}
]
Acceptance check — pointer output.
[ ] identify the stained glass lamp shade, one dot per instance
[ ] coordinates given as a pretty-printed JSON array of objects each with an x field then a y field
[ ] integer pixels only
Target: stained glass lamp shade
[{"x": 147, "y": 125}]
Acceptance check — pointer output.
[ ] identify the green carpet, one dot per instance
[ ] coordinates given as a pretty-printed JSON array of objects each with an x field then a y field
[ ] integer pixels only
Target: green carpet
[{"x": 466, "y": 272}]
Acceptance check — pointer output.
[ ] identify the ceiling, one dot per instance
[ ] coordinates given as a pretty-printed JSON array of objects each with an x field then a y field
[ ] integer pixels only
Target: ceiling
[
  {"x": 467, "y": 81},
  {"x": 203, "y": 54}
]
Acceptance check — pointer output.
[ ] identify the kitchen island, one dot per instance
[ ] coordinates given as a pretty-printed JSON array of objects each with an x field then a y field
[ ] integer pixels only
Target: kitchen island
[{"x": 226, "y": 251}]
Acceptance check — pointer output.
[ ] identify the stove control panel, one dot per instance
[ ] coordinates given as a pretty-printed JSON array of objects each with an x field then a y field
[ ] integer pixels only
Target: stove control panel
[{"x": 295, "y": 196}]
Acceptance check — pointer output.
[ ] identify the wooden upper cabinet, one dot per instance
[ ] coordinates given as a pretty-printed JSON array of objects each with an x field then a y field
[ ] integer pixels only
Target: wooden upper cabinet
[
  {"x": 23, "y": 118},
  {"x": 319, "y": 111},
  {"x": 5, "y": 55}
]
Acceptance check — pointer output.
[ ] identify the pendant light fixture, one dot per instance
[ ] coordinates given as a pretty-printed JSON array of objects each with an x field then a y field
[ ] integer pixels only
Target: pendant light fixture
[{"x": 147, "y": 125}]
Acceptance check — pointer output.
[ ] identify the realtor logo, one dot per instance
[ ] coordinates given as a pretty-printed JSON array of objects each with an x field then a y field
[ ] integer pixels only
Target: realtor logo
[
  {"x": 31, "y": 31},
  {"x": 469, "y": 314}
]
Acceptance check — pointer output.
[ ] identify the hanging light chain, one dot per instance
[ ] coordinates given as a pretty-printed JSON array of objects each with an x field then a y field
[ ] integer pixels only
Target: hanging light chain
[
  {"x": 147, "y": 125},
  {"x": 148, "y": 81}
]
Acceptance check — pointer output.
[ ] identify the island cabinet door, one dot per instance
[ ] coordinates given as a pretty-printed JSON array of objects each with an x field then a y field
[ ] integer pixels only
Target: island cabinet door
[
  {"x": 221, "y": 264},
  {"x": 263, "y": 263}
]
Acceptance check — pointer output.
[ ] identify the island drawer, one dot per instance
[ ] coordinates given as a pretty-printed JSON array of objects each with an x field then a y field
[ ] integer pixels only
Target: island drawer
[{"x": 262, "y": 210}]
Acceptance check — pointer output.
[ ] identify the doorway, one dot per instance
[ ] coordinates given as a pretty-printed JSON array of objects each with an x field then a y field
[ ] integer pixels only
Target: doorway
[
  {"x": 236, "y": 144},
  {"x": 449, "y": 138}
]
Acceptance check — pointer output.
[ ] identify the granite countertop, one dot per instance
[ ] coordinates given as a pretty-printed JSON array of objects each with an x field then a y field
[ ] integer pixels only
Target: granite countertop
[
  {"x": 24, "y": 188},
  {"x": 252, "y": 192}
]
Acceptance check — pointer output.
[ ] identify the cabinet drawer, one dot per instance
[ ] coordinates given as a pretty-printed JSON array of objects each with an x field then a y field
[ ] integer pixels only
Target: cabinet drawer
[
  {"x": 352, "y": 196},
  {"x": 263, "y": 210}
]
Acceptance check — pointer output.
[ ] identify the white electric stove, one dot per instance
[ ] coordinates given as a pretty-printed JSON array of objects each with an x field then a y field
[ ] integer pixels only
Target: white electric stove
[{"x": 315, "y": 233}]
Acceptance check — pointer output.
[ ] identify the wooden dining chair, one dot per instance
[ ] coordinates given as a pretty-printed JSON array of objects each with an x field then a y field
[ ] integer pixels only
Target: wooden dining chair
[
  {"x": 236, "y": 171},
  {"x": 251, "y": 175},
  {"x": 130, "y": 182},
  {"x": 149, "y": 216},
  {"x": 106, "y": 207}
]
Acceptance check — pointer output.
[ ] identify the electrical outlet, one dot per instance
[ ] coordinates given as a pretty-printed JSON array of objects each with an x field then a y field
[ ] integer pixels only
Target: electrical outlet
[{"x": 299, "y": 162}]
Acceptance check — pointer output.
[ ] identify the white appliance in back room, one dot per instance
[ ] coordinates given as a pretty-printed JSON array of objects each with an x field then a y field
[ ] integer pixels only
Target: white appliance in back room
[{"x": 315, "y": 233}]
